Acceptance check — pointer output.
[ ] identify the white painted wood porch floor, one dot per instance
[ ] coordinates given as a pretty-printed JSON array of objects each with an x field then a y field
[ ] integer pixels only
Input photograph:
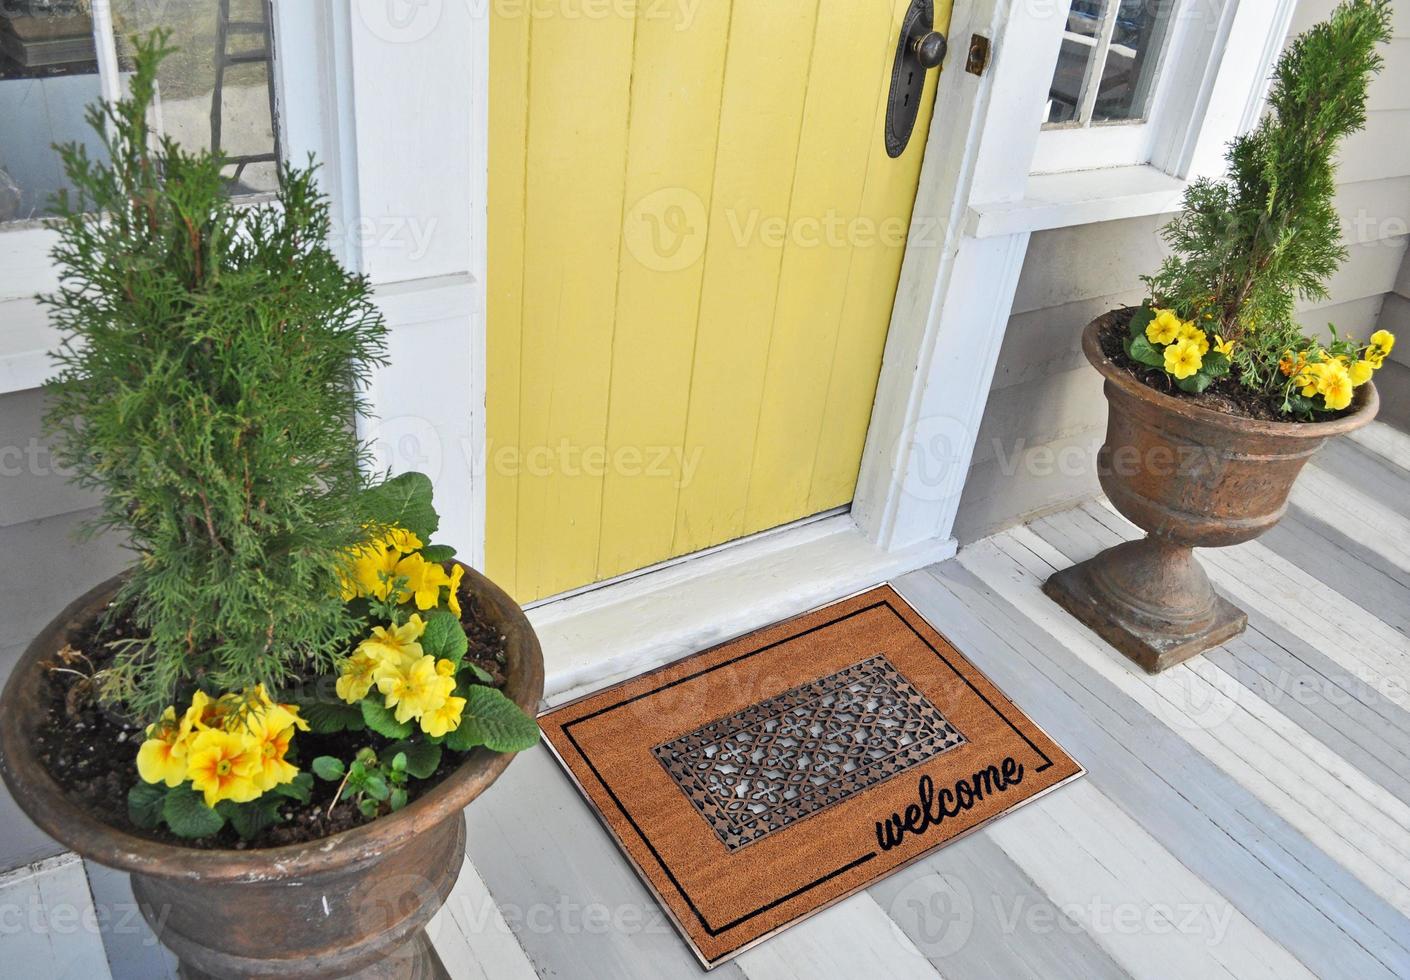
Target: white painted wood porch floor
[{"x": 1246, "y": 814}]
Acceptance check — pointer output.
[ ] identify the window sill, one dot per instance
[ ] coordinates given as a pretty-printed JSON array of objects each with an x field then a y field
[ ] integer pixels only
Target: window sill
[{"x": 1078, "y": 198}]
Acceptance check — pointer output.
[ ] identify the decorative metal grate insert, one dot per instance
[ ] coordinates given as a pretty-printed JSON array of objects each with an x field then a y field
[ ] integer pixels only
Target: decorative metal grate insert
[{"x": 778, "y": 761}]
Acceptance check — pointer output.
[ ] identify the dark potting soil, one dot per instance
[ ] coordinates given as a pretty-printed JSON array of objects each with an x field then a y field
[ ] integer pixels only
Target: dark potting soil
[
  {"x": 1225, "y": 394},
  {"x": 91, "y": 750}
]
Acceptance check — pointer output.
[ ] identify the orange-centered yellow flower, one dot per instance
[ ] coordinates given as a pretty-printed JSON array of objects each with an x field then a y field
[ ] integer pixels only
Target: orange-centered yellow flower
[
  {"x": 270, "y": 733},
  {"x": 1164, "y": 327},
  {"x": 222, "y": 766},
  {"x": 1183, "y": 359},
  {"x": 1225, "y": 347},
  {"x": 162, "y": 757}
]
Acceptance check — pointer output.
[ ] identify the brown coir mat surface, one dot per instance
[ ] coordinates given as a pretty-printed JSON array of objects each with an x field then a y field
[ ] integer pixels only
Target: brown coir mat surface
[{"x": 762, "y": 780}]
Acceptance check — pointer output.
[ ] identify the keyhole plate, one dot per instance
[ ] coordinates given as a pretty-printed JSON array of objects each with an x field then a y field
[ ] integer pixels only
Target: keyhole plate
[{"x": 907, "y": 77}]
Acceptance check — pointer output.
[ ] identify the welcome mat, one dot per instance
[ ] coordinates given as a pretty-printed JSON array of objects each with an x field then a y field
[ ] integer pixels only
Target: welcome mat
[{"x": 763, "y": 780}]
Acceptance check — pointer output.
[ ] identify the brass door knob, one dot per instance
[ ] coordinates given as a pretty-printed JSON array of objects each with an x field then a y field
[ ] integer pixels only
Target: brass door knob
[{"x": 930, "y": 49}]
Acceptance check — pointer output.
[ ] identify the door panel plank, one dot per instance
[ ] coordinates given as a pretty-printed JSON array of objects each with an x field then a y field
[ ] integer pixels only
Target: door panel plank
[
  {"x": 579, "y": 87},
  {"x": 761, "y": 116},
  {"x": 871, "y": 291},
  {"x": 678, "y": 78},
  {"x": 509, "y": 109},
  {"x": 849, "y": 69}
]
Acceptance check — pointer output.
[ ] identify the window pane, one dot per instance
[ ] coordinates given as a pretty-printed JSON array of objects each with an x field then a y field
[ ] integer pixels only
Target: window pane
[
  {"x": 1132, "y": 59},
  {"x": 1079, "y": 47},
  {"x": 48, "y": 74},
  {"x": 215, "y": 89}
]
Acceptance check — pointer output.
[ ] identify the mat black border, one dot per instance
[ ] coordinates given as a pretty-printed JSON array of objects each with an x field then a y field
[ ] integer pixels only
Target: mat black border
[{"x": 735, "y": 923}]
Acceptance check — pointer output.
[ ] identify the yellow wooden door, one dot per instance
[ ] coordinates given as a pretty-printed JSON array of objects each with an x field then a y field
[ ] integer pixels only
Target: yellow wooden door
[{"x": 695, "y": 234}]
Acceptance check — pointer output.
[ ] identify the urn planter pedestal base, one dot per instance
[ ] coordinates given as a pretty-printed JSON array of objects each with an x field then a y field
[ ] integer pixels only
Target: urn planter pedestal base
[{"x": 1150, "y": 599}]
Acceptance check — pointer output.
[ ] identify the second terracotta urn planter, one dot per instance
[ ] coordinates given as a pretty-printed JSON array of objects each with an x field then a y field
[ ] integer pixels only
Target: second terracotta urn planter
[{"x": 1190, "y": 477}]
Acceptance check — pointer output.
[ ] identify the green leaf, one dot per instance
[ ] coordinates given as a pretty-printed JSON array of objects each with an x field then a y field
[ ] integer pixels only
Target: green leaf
[
  {"x": 327, "y": 717},
  {"x": 479, "y": 673},
  {"x": 249, "y": 819},
  {"x": 1195, "y": 383},
  {"x": 186, "y": 813},
  {"x": 380, "y": 719},
  {"x": 438, "y": 553},
  {"x": 398, "y": 799},
  {"x": 1215, "y": 364},
  {"x": 299, "y": 788},
  {"x": 1142, "y": 352},
  {"x": 376, "y": 787},
  {"x": 492, "y": 720},
  {"x": 1140, "y": 320},
  {"x": 444, "y": 636},
  {"x": 144, "y": 804},
  {"x": 422, "y": 758},
  {"x": 329, "y": 768},
  {"x": 405, "y": 501},
  {"x": 368, "y": 807}
]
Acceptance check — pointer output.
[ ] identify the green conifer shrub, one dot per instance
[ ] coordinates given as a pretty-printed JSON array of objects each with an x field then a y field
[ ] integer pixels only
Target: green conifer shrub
[
  {"x": 1247, "y": 245},
  {"x": 209, "y": 374}
]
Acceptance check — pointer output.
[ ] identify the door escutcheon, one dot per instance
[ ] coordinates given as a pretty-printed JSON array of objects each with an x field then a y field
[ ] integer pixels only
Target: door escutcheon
[{"x": 919, "y": 48}]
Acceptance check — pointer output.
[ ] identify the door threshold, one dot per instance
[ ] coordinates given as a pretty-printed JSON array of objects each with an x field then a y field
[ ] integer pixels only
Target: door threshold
[
  {"x": 597, "y": 637},
  {"x": 692, "y": 556}
]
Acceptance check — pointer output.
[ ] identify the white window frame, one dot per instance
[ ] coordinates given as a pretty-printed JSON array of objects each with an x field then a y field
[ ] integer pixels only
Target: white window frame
[
  {"x": 306, "y": 100},
  {"x": 1206, "y": 40}
]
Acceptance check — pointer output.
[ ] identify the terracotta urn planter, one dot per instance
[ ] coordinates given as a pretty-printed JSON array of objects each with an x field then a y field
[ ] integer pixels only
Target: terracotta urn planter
[
  {"x": 1190, "y": 477},
  {"x": 350, "y": 905}
]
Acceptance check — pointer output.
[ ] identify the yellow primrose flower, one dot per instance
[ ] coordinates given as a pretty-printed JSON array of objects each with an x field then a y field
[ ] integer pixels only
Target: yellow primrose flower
[
  {"x": 205, "y": 713},
  {"x": 1188, "y": 331},
  {"x": 221, "y": 765},
  {"x": 424, "y": 580},
  {"x": 1163, "y": 328},
  {"x": 401, "y": 539},
  {"x": 416, "y": 689},
  {"x": 396, "y": 646},
  {"x": 1225, "y": 347},
  {"x": 1183, "y": 359},
  {"x": 1383, "y": 341},
  {"x": 1361, "y": 372},
  {"x": 1334, "y": 385},
  {"x": 369, "y": 566},
  {"x": 162, "y": 757},
  {"x": 446, "y": 718},
  {"x": 457, "y": 572},
  {"x": 359, "y": 672}
]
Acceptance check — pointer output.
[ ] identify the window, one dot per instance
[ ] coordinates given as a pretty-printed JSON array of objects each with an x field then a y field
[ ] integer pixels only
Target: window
[
  {"x": 1107, "y": 87},
  {"x": 1107, "y": 65},
  {"x": 58, "y": 56}
]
